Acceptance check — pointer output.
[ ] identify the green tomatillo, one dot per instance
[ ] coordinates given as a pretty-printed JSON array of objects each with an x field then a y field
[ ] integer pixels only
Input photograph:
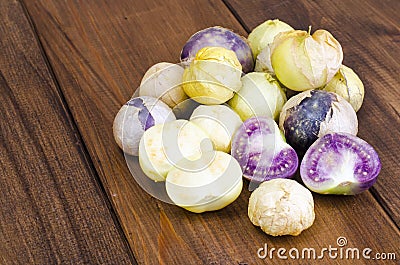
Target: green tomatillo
[{"x": 302, "y": 61}]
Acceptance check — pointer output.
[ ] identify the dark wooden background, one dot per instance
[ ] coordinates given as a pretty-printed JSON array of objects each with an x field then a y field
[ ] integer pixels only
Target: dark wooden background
[{"x": 66, "y": 194}]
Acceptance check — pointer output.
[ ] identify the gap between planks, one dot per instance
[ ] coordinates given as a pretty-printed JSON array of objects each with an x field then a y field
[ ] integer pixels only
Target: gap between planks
[{"x": 69, "y": 118}]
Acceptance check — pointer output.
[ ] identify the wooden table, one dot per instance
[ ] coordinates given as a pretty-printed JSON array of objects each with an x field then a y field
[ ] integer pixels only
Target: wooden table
[{"x": 66, "y": 194}]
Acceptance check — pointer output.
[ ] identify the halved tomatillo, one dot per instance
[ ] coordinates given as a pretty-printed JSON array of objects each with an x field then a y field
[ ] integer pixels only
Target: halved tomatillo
[
  {"x": 262, "y": 152},
  {"x": 340, "y": 163}
]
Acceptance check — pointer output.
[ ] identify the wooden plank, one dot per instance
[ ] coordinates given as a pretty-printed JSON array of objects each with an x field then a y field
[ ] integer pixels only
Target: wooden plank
[
  {"x": 53, "y": 210},
  {"x": 99, "y": 51},
  {"x": 369, "y": 33}
]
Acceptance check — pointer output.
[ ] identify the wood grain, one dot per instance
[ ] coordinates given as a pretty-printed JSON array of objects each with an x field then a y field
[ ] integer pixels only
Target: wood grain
[
  {"x": 52, "y": 209},
  {"x": 99, "y": 51},
  {"x": 369, "y": 32}
]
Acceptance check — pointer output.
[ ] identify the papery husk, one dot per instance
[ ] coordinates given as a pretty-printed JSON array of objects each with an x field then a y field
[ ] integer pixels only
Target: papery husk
[
  {"x": 343, "y": 118},
  {"x": 348, "y": 85},
  {"x": 302, "y": 61},
  {"x": 213, "y": 76},
  {"x": 263, "y": 61},
  {"x": 163, "y": 81},
  {"x": 264, "y": 34},
  {"x": 281, "y": 207}
]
